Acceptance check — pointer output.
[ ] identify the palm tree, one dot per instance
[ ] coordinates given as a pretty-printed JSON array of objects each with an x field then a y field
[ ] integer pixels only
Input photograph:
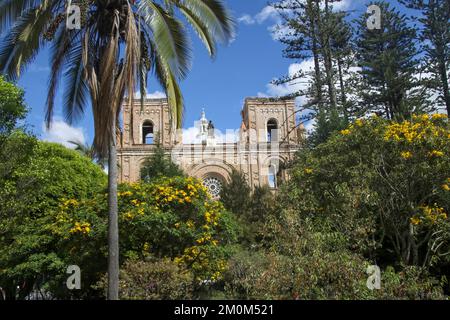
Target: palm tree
[
  {"x": 88, "y": 150},
  {"x": 108, "y": 57}
]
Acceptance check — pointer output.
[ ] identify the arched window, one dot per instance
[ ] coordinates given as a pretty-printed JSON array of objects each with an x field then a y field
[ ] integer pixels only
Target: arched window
[
  {"x": 147, "y": 132},
  {"x": 272, "y": 129},
  {"x": 273, "y": 174}
]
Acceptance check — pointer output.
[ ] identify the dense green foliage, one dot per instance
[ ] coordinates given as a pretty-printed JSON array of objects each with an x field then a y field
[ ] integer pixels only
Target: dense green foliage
[
  {"x": 236, "y": 193},
  {"x": 375, "y": 193},
  {"x": 38, "y": 175},
  {"x": 384, "y": 185},
  {"x": 12, "y": 107},
  {"x": 387, "y": 57}
]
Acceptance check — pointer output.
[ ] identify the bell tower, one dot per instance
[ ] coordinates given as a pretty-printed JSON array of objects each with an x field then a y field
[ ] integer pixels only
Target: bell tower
[
  {"x": 147, "y": 124},
  {"x": 268, "y": 120}
]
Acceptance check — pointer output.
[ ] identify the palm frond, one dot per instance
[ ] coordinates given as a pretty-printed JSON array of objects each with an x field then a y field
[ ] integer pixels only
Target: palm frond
[
  {"x": 76, "y": 91},
  {"x": 169, "y": 36},
  {"x": 169, "y": 82},
  {"x": 11, "y": 10},
  {"x": 214, "y": 15},
  {"x": 23, "y": 42},
  {"x": 201, "y": 29},
  {"x": 59, "y": 51}
]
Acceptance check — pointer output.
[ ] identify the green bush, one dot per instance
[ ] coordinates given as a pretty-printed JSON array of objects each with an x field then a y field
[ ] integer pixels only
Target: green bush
[
  {"x": 153, "y": 280},
  {"x": 35, "y": 177}
]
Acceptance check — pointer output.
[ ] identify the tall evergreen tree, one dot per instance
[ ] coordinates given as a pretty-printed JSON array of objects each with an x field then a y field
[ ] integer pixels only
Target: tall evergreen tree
[
  {"x": 388, "y": 61},
  {"x": 342, "y": 51},
  {"x": 435, "y": 36}
]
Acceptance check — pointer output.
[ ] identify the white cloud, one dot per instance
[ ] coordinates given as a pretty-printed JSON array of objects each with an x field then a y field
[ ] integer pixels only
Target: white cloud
[
  {"x": 156, "y": 95},
  {"x": 246, "y": 19},
  {"x": 61, "y": 132},
  {"x": 295, "y": 85},
  {"x": 190, "y": 135},
  {"x": 268, "y": 13},
  {"x": 344, "y": 4}
]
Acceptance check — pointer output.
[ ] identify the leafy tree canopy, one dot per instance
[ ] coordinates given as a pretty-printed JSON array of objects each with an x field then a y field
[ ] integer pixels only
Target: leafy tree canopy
[
  {"x": 35, "y": 177},
  {"x": 12, "y": 106}
]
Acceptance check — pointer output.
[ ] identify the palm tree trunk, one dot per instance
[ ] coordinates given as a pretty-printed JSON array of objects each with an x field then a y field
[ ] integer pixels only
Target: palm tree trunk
[{"x": 113, "y": 227}]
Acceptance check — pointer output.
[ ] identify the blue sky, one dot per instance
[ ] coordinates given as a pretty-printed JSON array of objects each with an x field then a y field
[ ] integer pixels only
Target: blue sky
[{"x": 242, "y": 69}]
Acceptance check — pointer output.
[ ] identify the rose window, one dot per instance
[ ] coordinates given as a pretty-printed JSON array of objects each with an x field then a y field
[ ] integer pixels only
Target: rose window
[{"x": 213, "y": 185}]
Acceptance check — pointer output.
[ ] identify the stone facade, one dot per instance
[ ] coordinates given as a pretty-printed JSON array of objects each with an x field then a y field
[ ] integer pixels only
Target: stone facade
[{"x": 268, "y": 138}]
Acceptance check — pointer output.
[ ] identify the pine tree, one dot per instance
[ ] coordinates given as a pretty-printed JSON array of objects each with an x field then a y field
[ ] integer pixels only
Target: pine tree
[
  {"x": 435, "y": 37},
  {"x": 388, "y": 61},
  {"x": 235, "y": 194},
  {"x": 312, "y": 30},
  {"x": 299, "y": 34},
  {"x": 341, "y": 48},
  {"x": 159, "y": 165}
]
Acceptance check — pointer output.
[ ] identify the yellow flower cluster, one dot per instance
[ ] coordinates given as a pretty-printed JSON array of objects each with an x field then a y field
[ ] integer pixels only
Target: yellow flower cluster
[
  {"x": 204, "y": 239},
  {"x": 125, "y": 194},
  {"x": 406, "y": 155},
  {"x": 190, "y": 224},
  {"x": 345, "y": 132},
  {"x": 446, "y": 186},
  {"x": 146, "y": 247},
  {"x": 81, "y": 227},
  {"x": 438, "y": 116},
  {"x": 436, "y": 154},
  {"x": 170, "y": 194},
  {"x": 212, "y": 217},
  {"x": 198, "y": 259},
  {"x": 190, "y": 254},
  {"x": 429, "y": 215},
  {"x": 71, "y": 202},
  {"x": 308, "y": 171},
  {"x": 221, "y": 267},
  {"x": 417, "y": 130}
]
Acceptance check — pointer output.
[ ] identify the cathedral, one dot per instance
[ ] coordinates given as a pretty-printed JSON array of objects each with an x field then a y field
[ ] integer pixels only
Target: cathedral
[{"x": 267, "y": 139}]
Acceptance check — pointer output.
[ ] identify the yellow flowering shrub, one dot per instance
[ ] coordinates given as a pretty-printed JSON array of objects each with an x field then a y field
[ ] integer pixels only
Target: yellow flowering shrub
[
  {"x": 383, "y": 184},
  {"x": 173, "y": 218},
  {"x": 429, "y": 215}
]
